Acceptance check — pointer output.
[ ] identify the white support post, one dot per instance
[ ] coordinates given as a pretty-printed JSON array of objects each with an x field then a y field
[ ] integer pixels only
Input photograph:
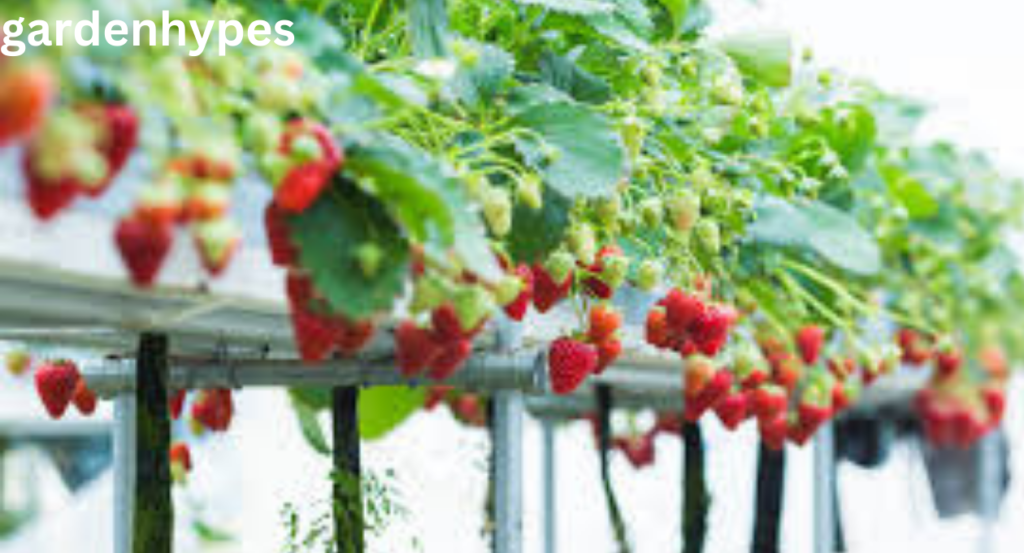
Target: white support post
[
  {"x": 824, "y": 517},
  {"x": 989, "y": 475},
  {"x": 508, "y": 471},
  {"x": 548, "y": 460},
  {"x": 124, "y": 470}
]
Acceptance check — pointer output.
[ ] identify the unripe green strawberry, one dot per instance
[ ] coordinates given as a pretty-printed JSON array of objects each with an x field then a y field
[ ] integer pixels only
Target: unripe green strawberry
[
  {"x": 369, "y": 256},
  {"x": 428, "y": 293},
  {"x": 616, "y": 268},
  {"x": 715, "y": 201},
  {"x": 498, "y": 210},
  {"x": 609, "y": 209},
  {"x": 708, "y": 237},
  {"x": 726, "y": 90},
  {"x": 559, "y": 265},
  {"x": 651, "y": 73},
  {"x": 633, "y": 133},
  {"x": 684, "y": 210},
  {"x": 17, "y": 361},
  {"x": 649, "y": 275},
  {"x": 279, "y": 95},
  {"x": 472, "y": 305},
  {"x": 529, "y": 192},
  {"x": 508, "y": 289},
  {"x": 305, "y": 148},
  {"x": 87, "y": 166},
  {"x": 466, "y": 53},
  {"x": 651, "y": 212},
  {"x": 217, "y": 242},
  {"x": 583, "y": 243},
  {"x": 742, "y": 199},
  {"x": 703, "y": 178},
  {"x": 275, "y": 166}
]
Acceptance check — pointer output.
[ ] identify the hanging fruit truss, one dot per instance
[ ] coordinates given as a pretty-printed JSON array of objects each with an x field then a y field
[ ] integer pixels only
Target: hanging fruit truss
[{"x": 628, "y": 190}]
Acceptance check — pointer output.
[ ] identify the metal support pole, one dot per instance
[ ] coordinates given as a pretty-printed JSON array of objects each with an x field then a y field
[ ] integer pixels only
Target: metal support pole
[
  {"x": 508, "y": 471},
  {"x": 550, "y": 486},
  {"x": 153, "y": 517},
  {"x": 348, "y": 495},
  {"x": 124, "y": 470},
  {"x": 824, "y": 522},
  {"x": 989, "y": 476}
]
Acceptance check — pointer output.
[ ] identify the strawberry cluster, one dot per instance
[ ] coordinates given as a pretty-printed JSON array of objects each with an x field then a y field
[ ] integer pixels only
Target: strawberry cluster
[
  {"x": 60, "y": 384},
  {"x": 77, "y": 152},
  {"x": 955, "y": 409},
  {"x": 212, "y": 410},
  {"x": 685, "y": 323},
  {"x": 319, "y": 333},
  {"x": 571, "y": 360},
  {"x": 309, "y": 159},
  {"x": 440, "y": 348}
]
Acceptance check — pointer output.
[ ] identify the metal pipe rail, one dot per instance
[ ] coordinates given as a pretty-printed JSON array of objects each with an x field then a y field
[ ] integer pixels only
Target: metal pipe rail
[{"x": 485, "y": 371}]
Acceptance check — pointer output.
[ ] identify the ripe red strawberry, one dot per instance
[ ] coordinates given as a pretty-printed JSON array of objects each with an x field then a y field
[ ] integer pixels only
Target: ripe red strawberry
[
  {"x": 995, "y": 401},
  {"x": 467, "y": 409},
  {"x": 711, "y": 330},
  {"x": 46, "y": 197},
  {"x": 144, "y": 247},
  {"x": 768, "y": 402},
  {"x": 181, "y": 462},
  {"x": 732, "y": 409},
  {"x": 604, "y": 323},
  {"x": 176, "y": 404},
  {"x": 547, "y": 292},
  {"x": 639, "y": 450},
  {"x": 948, "y": 362},
  {"x": 447, "y": 327},
  {"x": 55, "y": 383},
  {"x": 300, "y": 187},
  {"x": 656, "y": 330},
  {"x": 84, "y": 398},
  {"x": 415, "y": 348},
  {"x": 669, "y": 423},
  {"x": 516, "y": 310},
  {"x": 283, "y": 251},
  {"x": 120, "y": 137},
  {"x": 217, "y": 242},
  {"x": 714, "y": 391},
  {"x": 181, "y": 455},
  {"x": 809, "y": 340},
  {"x": 316, "y": 335},
  {"x": 607, "y": 352},
  {"x": 26, "y": 93},
  {"x": 915, "y": 347},
  {"x": 214, "y": 409},
  {"x": 569, "y": 363},
  {"x": 841, "y": 367},
  {"x": 353, "y": 335},
  {"x": 304, "y": 183},
  {"x": 774, "y": 432},
  {"x": 682, "y": 310},
  {"x": 597, "y": 285},
  {"x": 451, "y": 357}
]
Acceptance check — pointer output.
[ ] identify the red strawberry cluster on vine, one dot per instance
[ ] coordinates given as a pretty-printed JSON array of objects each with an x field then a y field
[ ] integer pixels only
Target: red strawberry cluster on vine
[
  {"x": 685, "y": 323},
  {"x": 318, "y": 332},
  {"x": 440, "y": 348},
  {"x": 59, "y": 385},
  {"x": 572, "y": 359}
]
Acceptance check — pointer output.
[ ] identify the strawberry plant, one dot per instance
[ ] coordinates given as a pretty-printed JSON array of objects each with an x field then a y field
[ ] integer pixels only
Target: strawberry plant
[{"x": 427, "y": 167}]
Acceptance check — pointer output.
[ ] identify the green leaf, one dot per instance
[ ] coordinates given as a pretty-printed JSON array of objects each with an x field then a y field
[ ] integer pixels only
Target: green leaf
[
  {"x": 629, "y": 24},
  {"x": 765, "y": 56},
  {"x": 535, "y": 233},
  {"x": 211, "y": 534},
  {"x": 911, "y": 193},
  {"x": 577, "y": 7},
  {"x": 818, "y": 228},
  {"x": 309, "y": 424},
  {"x": 329, "y": 233},
  {"x": 426, "y": 199},
  {"x": 428, "y": 27},
  {"x": 677, "y": 10},
  {"x": 381, "y": 409},
  {"x": 588, "y": 158},
  {"x": 482, "y": 81},
  {"x": 563, "y": 73}
]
